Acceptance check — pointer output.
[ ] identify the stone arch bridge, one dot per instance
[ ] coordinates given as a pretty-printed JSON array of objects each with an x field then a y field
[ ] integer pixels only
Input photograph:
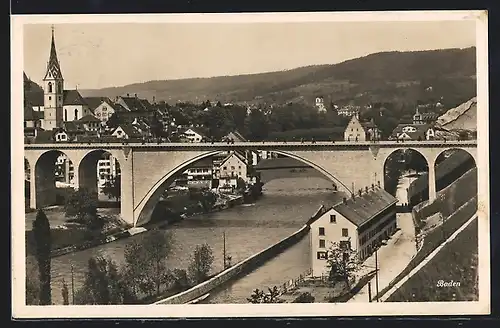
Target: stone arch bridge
[{"x": 146, "y": 169}]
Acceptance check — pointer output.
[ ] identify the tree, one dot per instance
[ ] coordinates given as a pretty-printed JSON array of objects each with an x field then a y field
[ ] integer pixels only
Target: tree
[
  {"x": 41, "y": 231},
  {"x": 201, "y": 263},
  {"x": 156, "y": 126},
  {"x": 257, "y": 125},
  {"x": 240, "y": 184},
  {"x": 259, "y": 296},
  {"x": 32, "y": 282},
  {"x": 113, "y": 121},
  {"x": 112, "y": 187},
  {"x": 145, "y": 262},
  {"x": 342, "y": 262},
  {"x": 181, "y": 280},
  {"x": 65, "y": 293},
  {"x": 103, "y": 285},
  {"x": 82, "y": 204}
]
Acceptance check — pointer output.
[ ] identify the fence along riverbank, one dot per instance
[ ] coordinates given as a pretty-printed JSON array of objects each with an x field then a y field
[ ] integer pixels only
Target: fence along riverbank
[{"x": 247, "y": 265}]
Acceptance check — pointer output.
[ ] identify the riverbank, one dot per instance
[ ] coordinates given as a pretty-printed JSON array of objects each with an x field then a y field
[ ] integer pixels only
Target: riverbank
[{"x": 69, "y": 237}]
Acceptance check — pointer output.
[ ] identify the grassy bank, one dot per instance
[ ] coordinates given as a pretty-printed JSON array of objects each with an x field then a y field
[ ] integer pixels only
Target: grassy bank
[
  {"x": 448, "y": 200},
  {"x": 459, "y": 199},
  {"x": 457, "y": 261}
]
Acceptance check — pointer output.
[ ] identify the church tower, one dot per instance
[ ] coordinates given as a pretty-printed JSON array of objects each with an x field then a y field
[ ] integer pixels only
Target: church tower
[{"x": 53, "y": 86}]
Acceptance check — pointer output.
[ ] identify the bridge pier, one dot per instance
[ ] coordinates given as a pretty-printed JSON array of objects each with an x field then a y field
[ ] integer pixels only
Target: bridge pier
[
  {"x": 127, "y": 189},
  {"x": 432, "y": 182}
]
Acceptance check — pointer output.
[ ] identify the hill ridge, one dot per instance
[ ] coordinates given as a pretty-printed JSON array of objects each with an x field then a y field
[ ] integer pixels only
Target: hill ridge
[{"x": 383, "y": 76}]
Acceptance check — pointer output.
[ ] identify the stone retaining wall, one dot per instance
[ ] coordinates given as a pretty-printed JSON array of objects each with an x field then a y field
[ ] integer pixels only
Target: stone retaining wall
[{"x": 244, "y": 266}]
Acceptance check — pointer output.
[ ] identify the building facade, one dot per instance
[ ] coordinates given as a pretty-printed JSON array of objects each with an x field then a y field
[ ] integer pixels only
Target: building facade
[
  {"x": 359, "y": 223},
  {"x": 354, "y": 131},
  {"x": 232, "y": 168}
]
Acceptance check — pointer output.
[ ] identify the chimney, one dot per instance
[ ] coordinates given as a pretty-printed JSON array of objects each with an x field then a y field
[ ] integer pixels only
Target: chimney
[
  {"x": 366, "y": 189},
  {"x": 373, "y": 186},
  {"x": 344, "y": 200}
]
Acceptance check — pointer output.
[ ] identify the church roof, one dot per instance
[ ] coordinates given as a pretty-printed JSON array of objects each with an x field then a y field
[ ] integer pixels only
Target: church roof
[
  {"x": 53, "y": 66},
  {"x": 73, "y": 97}
]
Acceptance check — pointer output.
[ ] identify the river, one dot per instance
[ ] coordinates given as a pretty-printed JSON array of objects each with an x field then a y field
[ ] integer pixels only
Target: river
[{"x": 285, "y": 206}]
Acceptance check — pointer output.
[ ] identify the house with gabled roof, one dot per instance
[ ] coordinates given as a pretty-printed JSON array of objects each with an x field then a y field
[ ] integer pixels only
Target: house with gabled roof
[
  {"x": 193, "y": 134},
  {"x": 232, "y": 168},
  {"x": 126, "y": 131},
  {"x": 360, "y": 223},
  {"x": 102, "y": 107},
  {"x": 416, "y": 132},
  {"x": 361, "y": 131}
]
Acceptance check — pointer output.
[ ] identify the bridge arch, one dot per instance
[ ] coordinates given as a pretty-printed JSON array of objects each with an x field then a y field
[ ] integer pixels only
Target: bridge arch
[
  {"x": 407, "y": 163},
  {"x": 91, "y": 176},
  {"x": 51, "y": 166},
  {"x": 144, "y": 208},
  {"x": 451, "y": 164}
]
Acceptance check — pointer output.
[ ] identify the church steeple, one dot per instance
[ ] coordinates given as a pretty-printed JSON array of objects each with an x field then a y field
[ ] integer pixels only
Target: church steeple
[
  {"x": 53, "y": 67},
  {"x": 53, "y": 85}
]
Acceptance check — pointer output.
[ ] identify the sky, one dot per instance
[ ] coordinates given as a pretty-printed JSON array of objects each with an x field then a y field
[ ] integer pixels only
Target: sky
[{"x": 94, "y": 56}]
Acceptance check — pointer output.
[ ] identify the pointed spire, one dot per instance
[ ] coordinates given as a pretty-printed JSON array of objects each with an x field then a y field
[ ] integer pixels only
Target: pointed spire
[{"x": 53, "y": 64}]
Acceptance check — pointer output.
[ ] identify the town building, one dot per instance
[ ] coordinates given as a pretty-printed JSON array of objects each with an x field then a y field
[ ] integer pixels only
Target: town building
[
  {"x": 415, "y": 132},
  {"x": 358, "y": 223},
  {"x": 424, "y": 118},
  {"x": 102, "y": 107},
  {"x": 108, "y": 167},
  {"x": 126, "y": 131},
  {"x": 354, "y": 131},
  {"x": 348, "y": 111},
  {"x": 320, "y": 104},
  {"x": 64, "y": 171},
  {"x": 193, "y": 135},
  {"x": 232, "y": 168},
  {"x": 200, "y": 174}
]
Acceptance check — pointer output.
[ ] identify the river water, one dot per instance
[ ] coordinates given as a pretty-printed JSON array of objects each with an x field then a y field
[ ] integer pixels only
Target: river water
[{"x": 285, "y": 206}]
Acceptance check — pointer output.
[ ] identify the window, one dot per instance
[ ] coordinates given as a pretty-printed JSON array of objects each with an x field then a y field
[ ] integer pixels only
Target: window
[
  {"x": 50, "y": 98},
  {"x": 239, "y": 167},
  {"x": 25, "y": 124},
  {"x": 232, "y": 168},
  {"x": 321, "y": 231},
  {"x": 50, "y": 88},
  {"x": 321, "y": 243},
  {"x": 59, "y": 87},
  {"x": 333, "y": 218},
  {"x": 345, "y": 232},
  {"x": 65, "y": 114},
  {"x": 76, "y": 114},
  {"x": 321, "y": 255},
  {"x": 224, "y": 168}
]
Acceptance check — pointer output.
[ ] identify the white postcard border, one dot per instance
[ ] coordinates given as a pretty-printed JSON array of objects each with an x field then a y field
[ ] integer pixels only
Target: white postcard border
[{"x": 20, "y": 310}]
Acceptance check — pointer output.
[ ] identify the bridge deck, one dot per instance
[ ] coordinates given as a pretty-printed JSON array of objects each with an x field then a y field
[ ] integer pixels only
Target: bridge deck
[{"x": 259, "y": 145}]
